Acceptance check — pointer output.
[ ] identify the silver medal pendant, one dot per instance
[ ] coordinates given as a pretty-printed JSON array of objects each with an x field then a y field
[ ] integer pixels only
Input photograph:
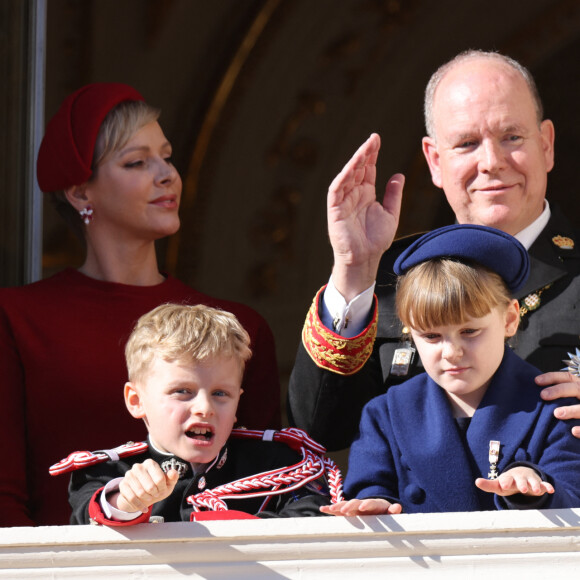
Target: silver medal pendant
[{"x": 493, "y": 459}]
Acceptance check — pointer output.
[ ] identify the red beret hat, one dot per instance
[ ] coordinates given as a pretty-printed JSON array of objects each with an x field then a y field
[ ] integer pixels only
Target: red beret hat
[{"x": 66, "y": 152}]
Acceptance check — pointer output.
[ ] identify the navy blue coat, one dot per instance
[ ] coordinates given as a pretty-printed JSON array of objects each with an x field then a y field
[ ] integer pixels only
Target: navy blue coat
[{"x": 410, "y": 449}]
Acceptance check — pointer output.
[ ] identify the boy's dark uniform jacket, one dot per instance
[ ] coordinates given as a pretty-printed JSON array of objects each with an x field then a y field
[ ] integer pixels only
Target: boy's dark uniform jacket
[
  {"x": 410, "y": 449},
  {"x": 243, "y": 458},
  {"x": 328, "y": 405}
]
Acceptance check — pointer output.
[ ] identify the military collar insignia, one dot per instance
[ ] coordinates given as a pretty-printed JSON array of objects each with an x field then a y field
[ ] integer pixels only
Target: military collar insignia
[
  {"x": 180, "y": 466},
  {"x": 223, "y": 459},
  {"x": 573, "y": 364},
  {"x": 563, "y": 242},
  {"x": 218, "y": 462},
  {"x": 532, "y": 301}
]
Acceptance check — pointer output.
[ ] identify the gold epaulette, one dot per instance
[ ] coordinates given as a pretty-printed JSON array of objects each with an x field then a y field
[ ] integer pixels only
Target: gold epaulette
[{"x": 330, "y": 351}]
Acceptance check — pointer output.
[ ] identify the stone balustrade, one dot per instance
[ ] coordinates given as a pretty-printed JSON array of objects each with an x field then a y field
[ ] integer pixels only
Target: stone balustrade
[{"x": 537, "y": 544}]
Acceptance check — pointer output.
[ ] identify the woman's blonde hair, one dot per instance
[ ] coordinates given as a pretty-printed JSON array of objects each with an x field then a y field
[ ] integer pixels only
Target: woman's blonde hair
[
  {"x": 120, "y": 124},
  {"x": 444, "y": 291},
  {"x": 186, "y": 334}
]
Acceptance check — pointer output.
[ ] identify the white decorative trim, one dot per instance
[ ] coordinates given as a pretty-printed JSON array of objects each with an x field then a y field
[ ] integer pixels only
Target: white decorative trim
[{"x": 269, "y": 435}]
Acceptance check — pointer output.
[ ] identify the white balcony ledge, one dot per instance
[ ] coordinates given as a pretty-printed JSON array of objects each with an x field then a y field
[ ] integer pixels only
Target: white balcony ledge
[{"x": 541, "y": 544}]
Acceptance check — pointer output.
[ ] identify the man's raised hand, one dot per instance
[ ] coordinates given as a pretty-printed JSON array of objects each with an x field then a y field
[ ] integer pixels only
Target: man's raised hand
[{"x": 360, "y": 228}]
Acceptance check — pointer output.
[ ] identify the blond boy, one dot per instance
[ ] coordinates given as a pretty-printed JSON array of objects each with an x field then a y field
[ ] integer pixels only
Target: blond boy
[{"x": 185, "y": 367}]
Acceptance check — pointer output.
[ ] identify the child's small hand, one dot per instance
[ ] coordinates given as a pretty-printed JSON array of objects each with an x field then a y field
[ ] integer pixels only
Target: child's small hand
[
  {"x": 143, "y": 485},
  {"x": 362, "y": 507},
  {"x": 516, "y": 480}
]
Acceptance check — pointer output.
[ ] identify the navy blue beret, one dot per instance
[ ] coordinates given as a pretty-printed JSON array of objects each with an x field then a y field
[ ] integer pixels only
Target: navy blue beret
[{"x": 489, "y": 247}]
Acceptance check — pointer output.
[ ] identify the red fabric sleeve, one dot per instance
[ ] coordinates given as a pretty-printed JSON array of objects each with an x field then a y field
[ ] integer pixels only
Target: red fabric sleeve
[{"x": 96, "y": 514}]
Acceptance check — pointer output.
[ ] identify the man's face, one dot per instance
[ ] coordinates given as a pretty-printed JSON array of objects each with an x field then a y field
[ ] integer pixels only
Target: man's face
[{"x": 489, "y": 155}]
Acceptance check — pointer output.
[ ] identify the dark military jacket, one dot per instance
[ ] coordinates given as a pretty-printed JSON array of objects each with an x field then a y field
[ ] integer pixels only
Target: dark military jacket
[{"x": 239, "y": 458}]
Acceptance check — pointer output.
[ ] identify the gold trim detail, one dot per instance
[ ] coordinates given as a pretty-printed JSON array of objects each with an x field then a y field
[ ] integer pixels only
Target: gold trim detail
[{"x": 335, "y": 353}]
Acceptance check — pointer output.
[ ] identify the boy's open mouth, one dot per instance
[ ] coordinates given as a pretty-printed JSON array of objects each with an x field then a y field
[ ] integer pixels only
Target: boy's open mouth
[{"x": 200, "y": 433}]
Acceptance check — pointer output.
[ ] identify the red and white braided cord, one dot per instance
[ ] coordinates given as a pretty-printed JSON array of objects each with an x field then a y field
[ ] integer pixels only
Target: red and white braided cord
[
  {"x": 334, "y": 477},
  {"x": 277, "y": 481}
]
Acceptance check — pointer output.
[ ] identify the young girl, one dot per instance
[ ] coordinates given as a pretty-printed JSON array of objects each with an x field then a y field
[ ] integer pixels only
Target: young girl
[{"x": 472, "y": 433}]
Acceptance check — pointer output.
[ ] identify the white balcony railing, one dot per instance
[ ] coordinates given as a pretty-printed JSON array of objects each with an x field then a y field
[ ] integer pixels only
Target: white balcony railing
[{"x": 541, "y": 544}]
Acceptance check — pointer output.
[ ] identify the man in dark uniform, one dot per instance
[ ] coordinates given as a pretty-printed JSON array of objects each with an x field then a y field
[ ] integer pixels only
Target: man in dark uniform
[{"x": 490, "y": 150}]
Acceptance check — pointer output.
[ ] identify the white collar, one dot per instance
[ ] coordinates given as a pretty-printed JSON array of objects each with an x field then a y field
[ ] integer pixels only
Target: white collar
[{"x": 530, "y": 233}]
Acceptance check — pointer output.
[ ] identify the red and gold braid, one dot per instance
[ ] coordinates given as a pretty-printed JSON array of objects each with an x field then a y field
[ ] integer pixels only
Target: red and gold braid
[{"x": 330, "y": 351}]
